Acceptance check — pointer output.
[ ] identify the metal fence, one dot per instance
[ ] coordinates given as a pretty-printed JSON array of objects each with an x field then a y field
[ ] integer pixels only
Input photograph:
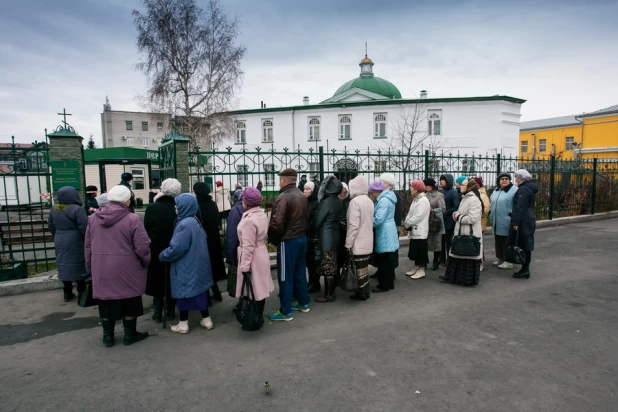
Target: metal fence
[
  {"x": 25, "y": 196},
  {"x": 567, "y": 187}
]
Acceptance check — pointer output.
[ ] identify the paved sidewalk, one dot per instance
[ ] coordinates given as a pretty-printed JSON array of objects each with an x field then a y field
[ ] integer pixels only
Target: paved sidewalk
[{"x": 544, "y": 344}]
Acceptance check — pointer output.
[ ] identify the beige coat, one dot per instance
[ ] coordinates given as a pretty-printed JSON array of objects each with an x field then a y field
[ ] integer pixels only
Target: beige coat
[
  {"x": 487, "y": 205},
  {"x": 222, "y": 197},
  {"x": 359, "y": 236},
  {"x": 469, "y": 217},
  {"x": 417, "y": 221}
]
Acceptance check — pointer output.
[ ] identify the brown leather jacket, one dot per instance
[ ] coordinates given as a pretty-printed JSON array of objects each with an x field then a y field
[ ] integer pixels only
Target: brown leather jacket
[{"x": 289, "y": 217}]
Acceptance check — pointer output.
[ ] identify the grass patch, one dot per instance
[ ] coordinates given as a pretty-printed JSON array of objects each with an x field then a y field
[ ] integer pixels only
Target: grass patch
[{"x": 40, "y": 267}]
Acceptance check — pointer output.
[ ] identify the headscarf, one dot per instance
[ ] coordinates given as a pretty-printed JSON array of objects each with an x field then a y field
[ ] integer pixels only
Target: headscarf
[
  {"x": 471, "y": 187},
  {"x": 478, "y": 180},
  {"x": 252, "y": 197},
  {"x": 523, "y": 174},
  {"x": 376, "y": 186},
  {"x": 219, "y": 183}
]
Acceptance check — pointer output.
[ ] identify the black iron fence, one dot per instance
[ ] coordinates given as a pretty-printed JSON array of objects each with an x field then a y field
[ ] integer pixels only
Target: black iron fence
[{"x": 26, "y": 245}]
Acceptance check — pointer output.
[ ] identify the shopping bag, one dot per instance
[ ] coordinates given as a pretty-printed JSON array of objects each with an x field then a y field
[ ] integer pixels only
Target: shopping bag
[
  {"x": 247, "y": 312},
  {"x": 515, "y": 254},
  {"x": 349, "y": 281},
  {"x": 85, "y": 299}
]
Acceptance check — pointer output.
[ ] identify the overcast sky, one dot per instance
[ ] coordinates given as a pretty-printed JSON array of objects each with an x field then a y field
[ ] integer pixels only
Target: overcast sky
[{"x": 561, "y": 56}]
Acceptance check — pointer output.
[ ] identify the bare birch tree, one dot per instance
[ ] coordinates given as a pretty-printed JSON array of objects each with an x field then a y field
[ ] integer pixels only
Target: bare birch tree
[{"x": 192, "y": 61}]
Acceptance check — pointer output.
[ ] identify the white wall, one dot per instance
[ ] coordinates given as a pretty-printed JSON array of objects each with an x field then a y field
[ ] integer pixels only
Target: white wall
[{"x": 113, "y": 124}]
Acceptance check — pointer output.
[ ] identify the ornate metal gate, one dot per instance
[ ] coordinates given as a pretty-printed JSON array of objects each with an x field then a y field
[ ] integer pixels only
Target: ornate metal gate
[{"x": 167, "y": 159}]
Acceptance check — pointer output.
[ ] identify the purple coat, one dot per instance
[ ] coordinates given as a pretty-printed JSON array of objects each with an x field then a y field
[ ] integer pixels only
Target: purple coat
[{"x": 117, "y": 250}]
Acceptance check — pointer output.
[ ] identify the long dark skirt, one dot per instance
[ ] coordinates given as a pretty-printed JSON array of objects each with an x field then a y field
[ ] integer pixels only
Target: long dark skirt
[
  {"x": 117, "y": 309},
  {"x": 418, "y": 252},
  {"x": 362, "y": 269},
  {"x": 195, "y": 303},
  {"x": 465, "y": 272}
]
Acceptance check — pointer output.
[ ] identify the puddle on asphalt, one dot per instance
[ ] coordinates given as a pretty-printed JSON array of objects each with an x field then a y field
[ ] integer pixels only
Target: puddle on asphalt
[{"x": 52, "y": 324}]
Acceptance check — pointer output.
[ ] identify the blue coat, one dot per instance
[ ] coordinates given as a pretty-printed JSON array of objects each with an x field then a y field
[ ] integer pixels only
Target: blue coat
[
  {"x": 451, "y": 199},
  {"x": 231, "y": 234},
  {"x": 501, "y": 208},
  {"x": 387, "y": 239},
  {"x": 190, "y": 273}
]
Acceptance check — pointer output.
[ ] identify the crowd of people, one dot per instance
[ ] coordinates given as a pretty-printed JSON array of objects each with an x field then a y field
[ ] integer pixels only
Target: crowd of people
[{"x": 175, "y": 254}]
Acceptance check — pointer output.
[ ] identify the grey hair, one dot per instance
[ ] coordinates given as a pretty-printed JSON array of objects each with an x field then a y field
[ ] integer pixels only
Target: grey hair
[{"x": 523, "y": 174}]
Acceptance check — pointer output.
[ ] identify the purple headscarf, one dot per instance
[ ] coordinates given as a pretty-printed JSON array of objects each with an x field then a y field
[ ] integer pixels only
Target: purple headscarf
[
  {"x": 376, "y": 186},
  {"x": 251, "y": 197}
]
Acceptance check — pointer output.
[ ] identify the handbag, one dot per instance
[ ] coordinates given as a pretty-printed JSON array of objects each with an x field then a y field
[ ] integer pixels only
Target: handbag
[
  {"x": 247, "y": 313},
  {"x": 84, "y": 298},
  {"x": 466, "y": 245},
  {"x": 349, "y": 281},
  {"x": 515, "y": 254},
  {"x": 434, "y": 223}
]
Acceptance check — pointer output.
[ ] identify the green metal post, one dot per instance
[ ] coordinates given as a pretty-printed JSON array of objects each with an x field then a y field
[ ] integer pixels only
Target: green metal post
[
  {"x": 426, "y": 164},
  {"x": 552, "y": 181},
  {"x": 321, "y": 156},
  {"x": 499, "y": 164},
  {"x": 593, "y": 207}
]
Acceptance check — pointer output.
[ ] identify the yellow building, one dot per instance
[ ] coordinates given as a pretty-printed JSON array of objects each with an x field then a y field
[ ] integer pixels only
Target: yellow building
[{"x": 582, "y": 136}]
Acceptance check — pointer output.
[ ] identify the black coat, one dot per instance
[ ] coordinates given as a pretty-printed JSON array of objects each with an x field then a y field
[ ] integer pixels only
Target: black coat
[
  {"x": 451, "y": 199},
  {"x": 128, "y": 186},
  {"x": 398, "y": 210},
  {"x": 523, "y": 215},
  {"x": 301, "y": 185},
  {"x": 328, "y": 215},
  {"x": 159, "y": 222},
  {"x": 91, "y": 203},
  {"x": 209, "y": 216},
  {"x": 313, "y": 208}
]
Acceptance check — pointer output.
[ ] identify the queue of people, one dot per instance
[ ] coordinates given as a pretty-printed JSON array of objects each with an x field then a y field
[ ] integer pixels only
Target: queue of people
[{"x": 175, "y": 254}]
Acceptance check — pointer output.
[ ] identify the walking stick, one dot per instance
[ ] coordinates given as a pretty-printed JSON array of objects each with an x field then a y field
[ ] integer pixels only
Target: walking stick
[{"x": 164, "y": 302}]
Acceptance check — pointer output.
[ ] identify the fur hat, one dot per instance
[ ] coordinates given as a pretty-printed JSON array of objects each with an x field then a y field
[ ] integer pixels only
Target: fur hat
[
  {"x": 310, "y": 186},
  {"x": 389, "y": 179},
  {"x": 430, "y": 182},
  {"x": 523, "y": 174},
  {"x": 125, "y": 177},
  {"x": 119, "y": 194}
]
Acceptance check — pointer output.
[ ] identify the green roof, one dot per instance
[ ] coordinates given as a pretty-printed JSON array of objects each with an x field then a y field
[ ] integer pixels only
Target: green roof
[
  {"x": 372, "y": 84},
  {"x": 381, "y": 103}
]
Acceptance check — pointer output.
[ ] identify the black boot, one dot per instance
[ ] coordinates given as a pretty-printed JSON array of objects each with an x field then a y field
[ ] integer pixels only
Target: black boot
[
  {"x": 68, "y": 291},
  {"x": 315, "y": 282},
  {"x": 80, "y": 286},
  {"x": 524, "y": 272},
  {"x": 170, "y": 310},
  {"x": 329, "y": 291},
  {"x": 108, "y": 332},
  {"x": 157, "y": 309},
  {"x": 216, "y": 293},
  {"x": 436, "y": 261},
  {"x": 131, "y": 335}
]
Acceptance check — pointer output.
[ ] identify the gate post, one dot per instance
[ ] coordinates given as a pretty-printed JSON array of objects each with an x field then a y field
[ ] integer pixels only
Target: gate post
[
  {"x": 321, "y": 160},
  {"x": 181, "y": 153},
  {"x": 552, "y": 185},
  {"x": 66, "y": 158},
  {"x": 593, "y": 199}
]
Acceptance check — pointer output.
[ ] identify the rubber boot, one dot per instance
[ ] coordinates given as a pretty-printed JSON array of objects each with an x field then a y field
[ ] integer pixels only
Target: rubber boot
[
  {"x": 131, "y": 335},
  {"x": 108, "y": 332},
  {"x": 329, "y": 291},
  {"x": 157, "y": 309}
]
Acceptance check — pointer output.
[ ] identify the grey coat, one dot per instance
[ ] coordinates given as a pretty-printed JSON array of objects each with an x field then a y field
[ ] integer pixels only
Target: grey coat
[
  {"x": 436, "y": 201},
  {"x": 67, "y": 222}
]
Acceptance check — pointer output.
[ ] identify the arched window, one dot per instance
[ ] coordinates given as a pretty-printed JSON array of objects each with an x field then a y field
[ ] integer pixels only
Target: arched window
[
  {"x": 435, "y": 127},
  {"x": 267, "y": 131},
  {"x": 379, "y": 127},
  {"x": 241, "y": 130},
  {"x": 314, "y": 128},
  {"x": 345, "y": 127}
]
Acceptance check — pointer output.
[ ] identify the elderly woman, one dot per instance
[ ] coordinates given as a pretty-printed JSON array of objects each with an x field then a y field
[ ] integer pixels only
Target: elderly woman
[
  {"x": 190, "y": 273},
  {"x": 465, "y": 270},
  {"x": 117, "y": 250},
  {"x": 500, "y": 215},
  {"x": 207, "y": 215},
  {"x": 390, "y": 182},
  {"x": 67, "y": 223},
  {"x": 159, "y": 221},
  {"x": 417, "y": 223},
  {"x": 311, "y": 193},
  {"x": 523, "y": 221},
  {"x": 359, "y": 236},
  {"x": 253, "y": 258},
  {"x": 386, "y": 237},
  {"x": 343, "y": 227},
  {"x": 91, "y": 199},
  {"x": 438, "y": 205},
  {"x": 326, "y": 225},
  {"x": 486, "y": 208},
  {"x": 231, "y": 245},
  {"x": 103, "y": 200}
]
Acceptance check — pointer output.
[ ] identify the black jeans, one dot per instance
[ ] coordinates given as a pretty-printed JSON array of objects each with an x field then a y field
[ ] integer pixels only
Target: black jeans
[{"x": 526, "y": 265}]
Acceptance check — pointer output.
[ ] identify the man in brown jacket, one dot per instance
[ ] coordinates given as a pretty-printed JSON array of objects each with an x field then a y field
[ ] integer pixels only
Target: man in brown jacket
[{"x": 287, "y": 229}]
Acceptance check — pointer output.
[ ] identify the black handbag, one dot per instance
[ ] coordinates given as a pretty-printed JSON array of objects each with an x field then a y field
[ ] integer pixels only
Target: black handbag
[
  {"x": 434, "y": 222},
  {"x": 515, "y": 254},
  {"x": 349, "y": 281},
  {"x": 466, "y": 245},
  {"x": 85, "y": 299},
  {"x": 247, "y": 312}
]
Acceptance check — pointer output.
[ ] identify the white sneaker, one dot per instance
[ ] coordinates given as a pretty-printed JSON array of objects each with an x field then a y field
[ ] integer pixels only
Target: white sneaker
[
  {"x": 207, "y": 323},
  {"x": 419, "y": 274},
  {"x": 498, "y": 262},
  {"x": 506, "y": 265},
  {"x": 182, "y": 327},
  {"x": 482, "y": 267},
  {"x": 413, "y": 271}
]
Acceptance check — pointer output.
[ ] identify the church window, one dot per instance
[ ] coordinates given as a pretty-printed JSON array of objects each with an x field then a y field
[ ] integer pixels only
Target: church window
[
  {"x": 345, "y": 127},
  {"x": 379, "y": 125},
  {"x": 314, "y": 128},
  {"x": 267, "y": 131}
]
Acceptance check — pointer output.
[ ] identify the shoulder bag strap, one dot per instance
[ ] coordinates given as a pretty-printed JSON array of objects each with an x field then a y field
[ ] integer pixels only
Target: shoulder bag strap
[{"x": 250, "y": 293}]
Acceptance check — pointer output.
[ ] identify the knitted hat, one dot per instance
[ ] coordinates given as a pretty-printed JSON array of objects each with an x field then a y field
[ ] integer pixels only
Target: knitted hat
[
  {"x": 478, "y": 180},
  {"x": 523, "y": 174},
  {"x": 219, "y": 183},
  {"x": 103, "y": 200},
  {"x": 310, "y": 186},
  {"x": 389, "y": 179},
  {"x": 119, "y": 194},
  {"x": 430, "y": 182},
  {"x": 171, "y": 187},
  {"x": 460, "y": 180},
  {"x": 376, "y": 187},
  {"x": 91, "y": 189},
  {"x": 251, "y": 197},
  {"x": 418, "y": 185}
]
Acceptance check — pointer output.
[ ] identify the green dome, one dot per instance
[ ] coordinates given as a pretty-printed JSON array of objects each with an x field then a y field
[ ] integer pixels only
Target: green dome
[{"x": 372, "y": 84}]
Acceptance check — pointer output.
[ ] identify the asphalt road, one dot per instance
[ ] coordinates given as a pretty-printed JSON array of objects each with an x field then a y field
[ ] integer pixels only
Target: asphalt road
[{"x": 545, "y": 344}]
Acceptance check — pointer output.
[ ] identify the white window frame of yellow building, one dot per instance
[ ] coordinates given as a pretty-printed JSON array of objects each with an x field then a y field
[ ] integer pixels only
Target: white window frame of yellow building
[
  {"x": 569, "y": 145},
  {"x": 542, "y": 145},
  {"x": 524, "y": 143}
]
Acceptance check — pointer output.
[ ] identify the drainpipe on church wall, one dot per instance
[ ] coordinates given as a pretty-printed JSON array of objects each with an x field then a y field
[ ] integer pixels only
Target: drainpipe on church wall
[{"x": 293, "y": 131}]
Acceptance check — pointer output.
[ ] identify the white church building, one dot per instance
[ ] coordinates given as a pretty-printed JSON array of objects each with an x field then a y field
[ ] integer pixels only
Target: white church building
[{"x": 368, "y": 112}]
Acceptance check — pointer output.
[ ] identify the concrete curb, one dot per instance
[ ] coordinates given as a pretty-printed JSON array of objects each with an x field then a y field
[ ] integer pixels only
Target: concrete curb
[{"x": 49, "y": 280}]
